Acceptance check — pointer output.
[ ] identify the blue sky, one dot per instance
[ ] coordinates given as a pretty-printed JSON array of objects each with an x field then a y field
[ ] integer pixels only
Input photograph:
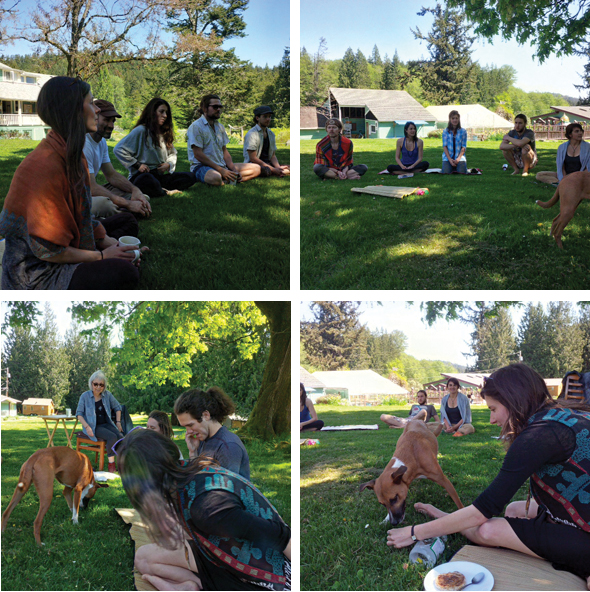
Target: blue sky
[
  {"x": 267, "y": 30},
  {"x": 387, "y": 23},
  {"x": 446, "y": 341}
]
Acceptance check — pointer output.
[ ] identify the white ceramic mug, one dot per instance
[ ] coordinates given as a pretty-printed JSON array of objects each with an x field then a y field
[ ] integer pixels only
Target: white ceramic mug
[{"x": 132, "y": 242}]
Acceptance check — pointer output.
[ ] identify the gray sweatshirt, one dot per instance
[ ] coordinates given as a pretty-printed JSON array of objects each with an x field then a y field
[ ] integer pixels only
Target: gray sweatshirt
[{"x": 133, "y": 151}]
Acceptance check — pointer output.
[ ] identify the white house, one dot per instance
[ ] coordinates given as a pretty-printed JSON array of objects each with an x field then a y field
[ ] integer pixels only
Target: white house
[
  {"x": 359, "y": 386},
  {"x": 314, "y": 387},
  {"x": 19, "y": 91},
  {"x": 8, "y": 406},
  {"x": 473, "y": 117}
]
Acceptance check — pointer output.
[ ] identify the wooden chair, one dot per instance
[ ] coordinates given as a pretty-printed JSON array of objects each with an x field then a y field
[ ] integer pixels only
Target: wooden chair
[
  {"x": 573, "y": 389},
  {"x": 83, "y": 442}
]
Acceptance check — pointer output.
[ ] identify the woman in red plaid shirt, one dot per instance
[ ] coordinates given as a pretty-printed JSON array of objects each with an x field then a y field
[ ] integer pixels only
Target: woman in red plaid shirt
[{"x": 333, "y": 155}]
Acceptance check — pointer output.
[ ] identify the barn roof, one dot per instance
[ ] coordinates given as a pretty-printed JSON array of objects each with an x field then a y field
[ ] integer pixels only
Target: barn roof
[
  {"x": 360, "y": 382},
  {"x": 471, "y": 116},
  {"x": 385, "y": 105}
]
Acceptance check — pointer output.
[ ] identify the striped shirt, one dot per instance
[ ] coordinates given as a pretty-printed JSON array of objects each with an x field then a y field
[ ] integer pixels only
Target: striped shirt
[{"x": 339, "y": 159}]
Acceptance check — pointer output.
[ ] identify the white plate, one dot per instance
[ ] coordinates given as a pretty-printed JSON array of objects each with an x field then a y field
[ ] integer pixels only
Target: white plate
[{"x": 467, "y": 568}]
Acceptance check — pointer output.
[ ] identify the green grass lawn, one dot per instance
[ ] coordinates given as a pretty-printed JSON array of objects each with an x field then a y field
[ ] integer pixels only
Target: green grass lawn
[
  {"x": 470, "y": 232},
  {"x": 233, "y": 237},
  {"x": 343, "y": 544},
  {"x": 97, "y": 554}
]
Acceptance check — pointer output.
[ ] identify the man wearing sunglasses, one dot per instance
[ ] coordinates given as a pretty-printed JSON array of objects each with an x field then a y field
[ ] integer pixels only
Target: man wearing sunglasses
[{"x": 207, "y": 152}]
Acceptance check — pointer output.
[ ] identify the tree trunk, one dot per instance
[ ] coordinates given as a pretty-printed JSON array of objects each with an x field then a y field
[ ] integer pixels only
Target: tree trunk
[{"x": 271, "y": 415}]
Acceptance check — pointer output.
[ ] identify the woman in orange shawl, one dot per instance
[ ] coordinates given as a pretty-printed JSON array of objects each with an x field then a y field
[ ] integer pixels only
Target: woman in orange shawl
[{"x": 52, "y": 242}]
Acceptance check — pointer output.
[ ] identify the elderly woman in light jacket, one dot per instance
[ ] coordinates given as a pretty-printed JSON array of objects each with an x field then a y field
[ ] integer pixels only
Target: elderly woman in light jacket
[
  {"x": 455, "y": 411},
  {"x": 94, "y": 413},
  {"x": 572, "y": 156}
]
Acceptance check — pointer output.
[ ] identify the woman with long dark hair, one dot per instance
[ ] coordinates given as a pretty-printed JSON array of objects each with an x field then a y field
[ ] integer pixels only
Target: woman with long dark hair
[
  {"x": 149, "y": 155},
  {"x": 52, "y": 242},
  {"x": 454, "y": 146},
  {"x": 308, "y": 418},
  {"x": 408, "y": 153},
  {"x": 455, "y": 410},
  {"x": 549, "y": 444},
  {"x": 236, "y": 538}
]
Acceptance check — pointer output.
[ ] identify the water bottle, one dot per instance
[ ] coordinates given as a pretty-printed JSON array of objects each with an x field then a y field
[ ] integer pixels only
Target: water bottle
[
  {"x": 504, "y": 167},
  {"x": 428, "y": 551}
]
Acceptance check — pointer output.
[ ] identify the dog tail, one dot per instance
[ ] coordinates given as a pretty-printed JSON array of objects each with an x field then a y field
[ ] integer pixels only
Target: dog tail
[{"x": 551, "y": 202}]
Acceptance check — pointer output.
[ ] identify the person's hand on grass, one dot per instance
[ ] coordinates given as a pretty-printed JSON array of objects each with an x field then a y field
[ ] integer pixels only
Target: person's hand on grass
[{"x": 399, "y": 537}]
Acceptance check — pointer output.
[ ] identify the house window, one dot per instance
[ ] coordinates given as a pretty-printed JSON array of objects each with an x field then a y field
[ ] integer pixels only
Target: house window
[
  {"x": 31, "y": 80},
  {"x": 29, "y": 108},
  {"x": 353, "y": 112},
  {"x": 7, "y": 107},
  {"x": 8, "y": 76}
]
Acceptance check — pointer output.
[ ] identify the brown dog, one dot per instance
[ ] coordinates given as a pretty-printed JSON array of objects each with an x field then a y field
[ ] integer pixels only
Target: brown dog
[
  {"x": 571, "y": 190},
  {"x": 70, "y": 468},
  {"x": 415, "y": 455}
]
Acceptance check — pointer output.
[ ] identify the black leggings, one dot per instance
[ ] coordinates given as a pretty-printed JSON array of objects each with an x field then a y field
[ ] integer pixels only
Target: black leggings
[
  {"x": 321, "y": 169},
  {"x": 317, "y": 425},
  {"x": 153, "y": 183},
  {"x": 421, "y": 166},
  {"x": 110, "y": 433}
]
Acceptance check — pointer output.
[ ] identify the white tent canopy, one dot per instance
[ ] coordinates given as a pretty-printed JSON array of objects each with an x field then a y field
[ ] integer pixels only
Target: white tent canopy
[
  {"x": 472, "y": 116},
  {"x": 360, "y": 382}
]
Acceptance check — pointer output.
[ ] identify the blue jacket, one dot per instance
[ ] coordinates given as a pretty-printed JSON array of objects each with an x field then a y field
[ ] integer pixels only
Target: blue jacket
[{"x": 86, "y": 408}]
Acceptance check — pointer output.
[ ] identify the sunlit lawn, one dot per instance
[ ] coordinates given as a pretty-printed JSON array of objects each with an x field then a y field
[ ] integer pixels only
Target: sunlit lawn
[
  {"x": 234, "y": 237},
  {"x": 343, "y": 543},
  {"x": 97, "y": 554},
  {"x": 470, "y": 232}
]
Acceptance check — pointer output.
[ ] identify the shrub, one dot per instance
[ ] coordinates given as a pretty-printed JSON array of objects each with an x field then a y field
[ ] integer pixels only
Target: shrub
[
  {"x": 435, "y": 133},
  {"x": 329, "y": 400},
  {"x": 15, "y": 135},
  {"x": 283, "y": 135},
  {"x": 395, "y": 400}
]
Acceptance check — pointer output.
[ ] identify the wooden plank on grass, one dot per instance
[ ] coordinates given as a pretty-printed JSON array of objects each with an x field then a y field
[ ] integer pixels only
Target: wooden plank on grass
[
  {"x": 516, "y": 571},
  {"x": 398, "y": 192}
]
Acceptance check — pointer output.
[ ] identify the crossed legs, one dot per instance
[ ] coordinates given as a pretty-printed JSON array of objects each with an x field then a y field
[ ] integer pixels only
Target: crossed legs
[
  {"x": 167, "y": 570},
  {"x": 247, "y": 170}
]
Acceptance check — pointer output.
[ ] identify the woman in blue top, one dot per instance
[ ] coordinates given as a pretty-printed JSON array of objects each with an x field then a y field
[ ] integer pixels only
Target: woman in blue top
[
  {"x": 308, "y": 418},
  {"x": 94, "y": 413},
  {"x": 408, "y": 153},
  {"x": 454, "y": 146}
]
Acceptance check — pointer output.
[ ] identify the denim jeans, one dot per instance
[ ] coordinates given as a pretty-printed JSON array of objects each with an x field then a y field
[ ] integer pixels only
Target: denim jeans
[{"x": 460, "y": 168}]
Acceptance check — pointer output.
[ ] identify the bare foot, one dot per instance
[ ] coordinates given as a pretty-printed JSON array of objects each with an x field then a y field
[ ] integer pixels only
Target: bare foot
[
  {"x": 429, "y": 510},
  {"x": 172, "y": 191},
  {"x": 163, "y": 584}
]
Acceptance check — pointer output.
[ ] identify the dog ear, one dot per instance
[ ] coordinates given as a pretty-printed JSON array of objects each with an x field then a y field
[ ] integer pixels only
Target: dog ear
[
  {"x": 397, "y": 475},
  {"x": 369, "y": 484}
]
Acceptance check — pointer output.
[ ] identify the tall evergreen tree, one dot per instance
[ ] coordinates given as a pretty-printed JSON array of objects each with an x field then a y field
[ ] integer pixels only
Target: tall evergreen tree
[
  {"x": 347, "y": 70},
  {"x": 532, "y": 332},
  {"x": 375, "y": 57},
  {"x": 19, "y": 355},
  {"x": 584, "y": 87},
  {"x": 450, "y": 69},
  {"x": 305, "y": 78},
  {"x": 383, "y": 348},
  {"x": 564, "y": 339},
  {"x": 496, "y": 343},
  {"x": 362, "y": 78},
  {"x": 331, "y": 339},
  {"x": 392, "y": 74}
]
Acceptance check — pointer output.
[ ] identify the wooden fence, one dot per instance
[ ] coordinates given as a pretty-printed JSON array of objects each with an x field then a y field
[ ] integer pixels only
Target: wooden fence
[{"x": 556, "y": 132}]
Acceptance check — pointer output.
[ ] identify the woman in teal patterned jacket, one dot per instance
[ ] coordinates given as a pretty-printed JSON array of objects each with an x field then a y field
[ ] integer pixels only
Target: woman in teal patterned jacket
[{"x": 237, "y": 540}]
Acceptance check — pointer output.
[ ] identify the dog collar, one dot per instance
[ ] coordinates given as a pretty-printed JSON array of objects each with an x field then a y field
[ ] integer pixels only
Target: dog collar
[{"x": 414, "y": 538}]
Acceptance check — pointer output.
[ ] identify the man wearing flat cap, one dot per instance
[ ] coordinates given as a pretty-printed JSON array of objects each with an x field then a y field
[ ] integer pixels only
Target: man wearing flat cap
[
  {"x": 260, "y": 145},
  {"x": 118, "y": 194}
]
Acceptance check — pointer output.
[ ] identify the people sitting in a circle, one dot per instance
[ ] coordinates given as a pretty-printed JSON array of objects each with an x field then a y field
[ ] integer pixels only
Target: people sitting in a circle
[
  {"x": 421, "y": 411},
  {"x": 408, "y": 153},
  {"x": 333, "y": 155},
  {"x": 455, "y": 411},
  {"x": 572, "y": 156},
  {"x": 202, "y": 413},
  {"x": 308, "y": 418},
  {"x": 454, "y": 140}
]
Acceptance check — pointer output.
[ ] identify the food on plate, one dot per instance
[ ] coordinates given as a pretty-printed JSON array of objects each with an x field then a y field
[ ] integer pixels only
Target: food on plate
[{"x": 453, "y": 580}]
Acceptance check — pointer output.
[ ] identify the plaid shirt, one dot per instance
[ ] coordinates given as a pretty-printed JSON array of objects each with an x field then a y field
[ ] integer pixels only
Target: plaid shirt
[
  {"x": 324, "y": 153},
  {"x": 460, "y": 142}
]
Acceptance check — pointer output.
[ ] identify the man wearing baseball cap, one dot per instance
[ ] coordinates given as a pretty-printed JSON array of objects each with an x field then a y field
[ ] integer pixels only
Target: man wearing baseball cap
[
  {"x": 118, "y": 194},
  {"x": 260, "y": 145}
]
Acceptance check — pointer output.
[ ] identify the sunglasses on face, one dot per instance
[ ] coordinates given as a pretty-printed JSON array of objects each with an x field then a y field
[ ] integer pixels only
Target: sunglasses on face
[
  {"x": 117, "y": 442},
  {"x": 98, "y": 384}
]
